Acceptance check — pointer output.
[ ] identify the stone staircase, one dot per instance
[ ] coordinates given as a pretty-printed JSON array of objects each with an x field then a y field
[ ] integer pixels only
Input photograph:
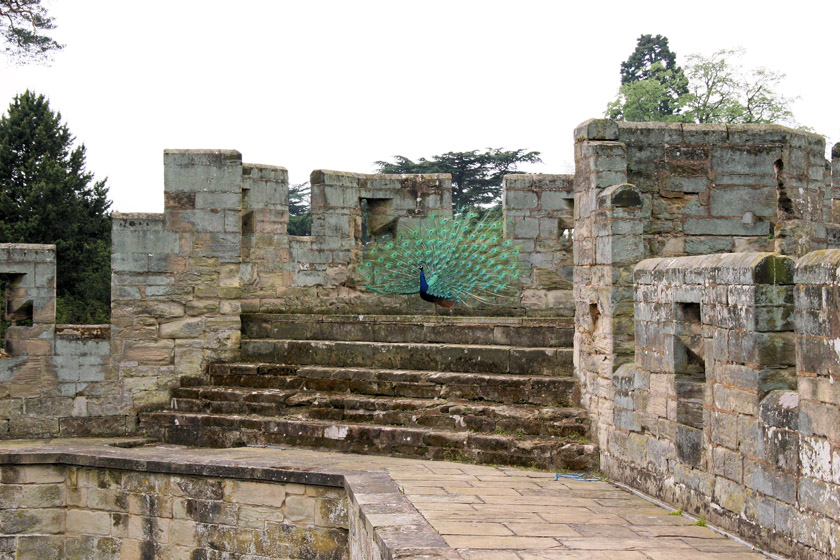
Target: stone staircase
[{"x": 479, "y": 389}]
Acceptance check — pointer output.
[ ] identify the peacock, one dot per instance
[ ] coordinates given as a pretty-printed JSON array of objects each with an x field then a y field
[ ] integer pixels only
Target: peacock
[{"x": 465, "y": 260}]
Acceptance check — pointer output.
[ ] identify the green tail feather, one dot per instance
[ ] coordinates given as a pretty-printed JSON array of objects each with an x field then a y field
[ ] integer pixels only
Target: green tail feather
[{"x": 463, "y": 258}]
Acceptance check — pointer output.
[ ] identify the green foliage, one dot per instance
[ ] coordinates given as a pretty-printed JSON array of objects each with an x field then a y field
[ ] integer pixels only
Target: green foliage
[
  {"x": 650, "y": 50},
  {"x": 721, "y": 91},
  {"x": 24, "y": 25},
  {"x": 653, "y": 62},
  {"x": 47, "y": 196},
  {"x": 714, "y": 89},
  {"x": 300, "y": 212},
  {"x": 651, "y": 99},
  {"x": 476, "y": 176},
  {"x": 700, "y": 522}
]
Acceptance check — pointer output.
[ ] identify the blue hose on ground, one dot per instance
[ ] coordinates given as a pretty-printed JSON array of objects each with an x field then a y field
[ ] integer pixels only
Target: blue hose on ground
[{"x": 583, "y": 477}]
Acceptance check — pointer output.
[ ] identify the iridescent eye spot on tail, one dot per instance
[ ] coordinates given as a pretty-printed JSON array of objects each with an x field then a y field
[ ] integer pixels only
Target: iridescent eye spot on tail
[{"x": 467, "y": 260}]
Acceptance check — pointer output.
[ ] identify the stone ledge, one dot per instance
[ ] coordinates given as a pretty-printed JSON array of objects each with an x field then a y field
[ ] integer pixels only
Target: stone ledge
[
  {"x": 819, "y": 267},
  {"x": 387, "y": 517},
  {"x": 84, "y": 332},
  {"x": 743, "y": 268}
]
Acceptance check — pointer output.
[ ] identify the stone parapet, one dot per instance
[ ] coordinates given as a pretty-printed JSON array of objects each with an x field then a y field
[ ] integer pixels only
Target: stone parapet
[
  {"x": 93, "y": 500},
  {"x": 56, "y": 380},
  {"x": 539, "y": 218},
  {"x": 727, "y": 410}
]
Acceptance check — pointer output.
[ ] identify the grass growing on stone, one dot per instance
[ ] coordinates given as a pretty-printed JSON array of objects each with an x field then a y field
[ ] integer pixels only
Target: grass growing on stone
[
  {"x": 577, "y": 437},
  {"x": 518, "y": 432},
  {"x": 700, "y": 522},
  {"x": 676, "y": 512}
]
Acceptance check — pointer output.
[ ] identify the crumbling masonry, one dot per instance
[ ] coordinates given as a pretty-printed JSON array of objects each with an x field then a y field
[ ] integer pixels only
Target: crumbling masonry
[{"x": 700, "y": 265}]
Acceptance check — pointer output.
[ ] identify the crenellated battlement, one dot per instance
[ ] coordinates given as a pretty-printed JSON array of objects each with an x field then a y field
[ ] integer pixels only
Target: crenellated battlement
[{"x": 699, "y": 262}]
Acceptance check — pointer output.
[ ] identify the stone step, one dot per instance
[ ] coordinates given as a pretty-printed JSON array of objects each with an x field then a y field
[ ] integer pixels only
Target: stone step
[
  {"x": 217, "y": 430},
  {"x": 343, "y": 407},
  {"x": 502, "y": 331},
  {"x": 497, "y": 388},
  {"x": 469, "y": 358}
]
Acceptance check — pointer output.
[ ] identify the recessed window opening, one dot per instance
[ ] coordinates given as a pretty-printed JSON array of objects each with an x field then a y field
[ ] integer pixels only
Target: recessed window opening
[
  {"x": 17, "y": 312},
  {"x": 377, "y": 219},
  {"x": 690, "y": 382},
  {"x": 594, "y": 316}
]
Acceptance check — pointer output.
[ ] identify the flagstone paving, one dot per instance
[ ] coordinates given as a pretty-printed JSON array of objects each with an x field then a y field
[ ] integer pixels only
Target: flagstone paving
[{"x": 496, "y": 513}]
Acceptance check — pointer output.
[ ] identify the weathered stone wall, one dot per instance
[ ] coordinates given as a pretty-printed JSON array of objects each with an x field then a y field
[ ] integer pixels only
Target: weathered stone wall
[
  {"x": 655, "y": 189},
  {"x": 56, "y": 380},
  {"x": 812, "y": 430},
  {"x": 317, "y": 273},
  {"x": 266, "y": 257},
  {"x": 176, "y": 284},
  {"x": 833, "y": 203},
  {"x": 57, "y": 512},
  {"x": 181, "y": 279},
  {"x": 539, "y": 217},
  {"x": 729, "y": 410}
]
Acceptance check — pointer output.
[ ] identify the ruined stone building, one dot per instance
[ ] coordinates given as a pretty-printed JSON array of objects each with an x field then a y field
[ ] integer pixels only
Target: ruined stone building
[{"x": 679, "y": 327}]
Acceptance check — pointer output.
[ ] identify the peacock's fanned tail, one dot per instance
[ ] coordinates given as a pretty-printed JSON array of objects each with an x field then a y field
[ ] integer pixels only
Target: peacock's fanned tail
[{"x": 465, "y": 259}]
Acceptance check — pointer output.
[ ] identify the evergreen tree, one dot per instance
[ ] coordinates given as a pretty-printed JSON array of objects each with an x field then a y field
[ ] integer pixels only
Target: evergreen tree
[
  {"x": 24, "y": 25},
  {"x": 712, "y": 89},
  {"x": 476, "y": 176},
  {"x": 300, "y": 211},
  {"x": 650, "y": 77},
  {"x": 47, "y": 196}
]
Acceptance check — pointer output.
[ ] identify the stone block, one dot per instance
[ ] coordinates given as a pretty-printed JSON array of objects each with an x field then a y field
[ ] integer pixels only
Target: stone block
[
  {"x": 596, "y": 129},
  {"x": 42, "y": 520},
  {"x": 689, "y": 445},
  {"x": 819, "y": 419},
  {"x": 332, "y": 511},
  {"x": 148, "y": 529},
  {"x": 736, "y": 201},
  {"x": 199, "y": 488},
  {"x": 729, "y": 495},
  {"x": 93, "y": 548},
  {"x": 255, "y": 493},
  {"x": 626, "y": 420},
  {"x": 728, "y": 464},
  {"x": 204, "y": 511},
  {"x": 40, "y": 547},
  {"x": 160, "y": 352},
  {"x": 706, "y": 245},
  {"x": 724, "y": 429},
  {"x": 183, "y": 533},
  {"x": 557, "y": 200},
  {"x": 526, "y": 228},
  {"x": 300, "y": 509},
  {"x": 202, "y": 171},
  {"x": 32, "y": 474},
  {"x": 520, "y": 200},
  {"x": 150, "y": 505},
  {"x": 724, "y": 226},
  {"x": 751, "y": 160},
  {"x": 820, "y": 497},
  {"x": 190, "y": 327},
  {"x": 815, "y": 456},
  {"x": 759, "y": 509}
]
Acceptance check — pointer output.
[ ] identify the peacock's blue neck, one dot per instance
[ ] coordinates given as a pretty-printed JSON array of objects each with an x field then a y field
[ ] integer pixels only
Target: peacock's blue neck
[{"x": 424, "y": 287}]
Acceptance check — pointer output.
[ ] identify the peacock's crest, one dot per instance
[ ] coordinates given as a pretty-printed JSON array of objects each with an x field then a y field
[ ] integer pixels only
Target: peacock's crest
[{"x": 463, "y": 259}]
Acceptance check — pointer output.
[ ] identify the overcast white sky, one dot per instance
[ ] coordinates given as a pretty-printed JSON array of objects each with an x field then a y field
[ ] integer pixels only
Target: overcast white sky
[{"x": 338, "y": 85}]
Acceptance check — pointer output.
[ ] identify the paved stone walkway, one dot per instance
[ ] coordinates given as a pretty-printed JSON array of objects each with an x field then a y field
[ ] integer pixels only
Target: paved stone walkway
[
  {"x": 504, "y": 513},
  {"x": 497, "y": 513}
]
